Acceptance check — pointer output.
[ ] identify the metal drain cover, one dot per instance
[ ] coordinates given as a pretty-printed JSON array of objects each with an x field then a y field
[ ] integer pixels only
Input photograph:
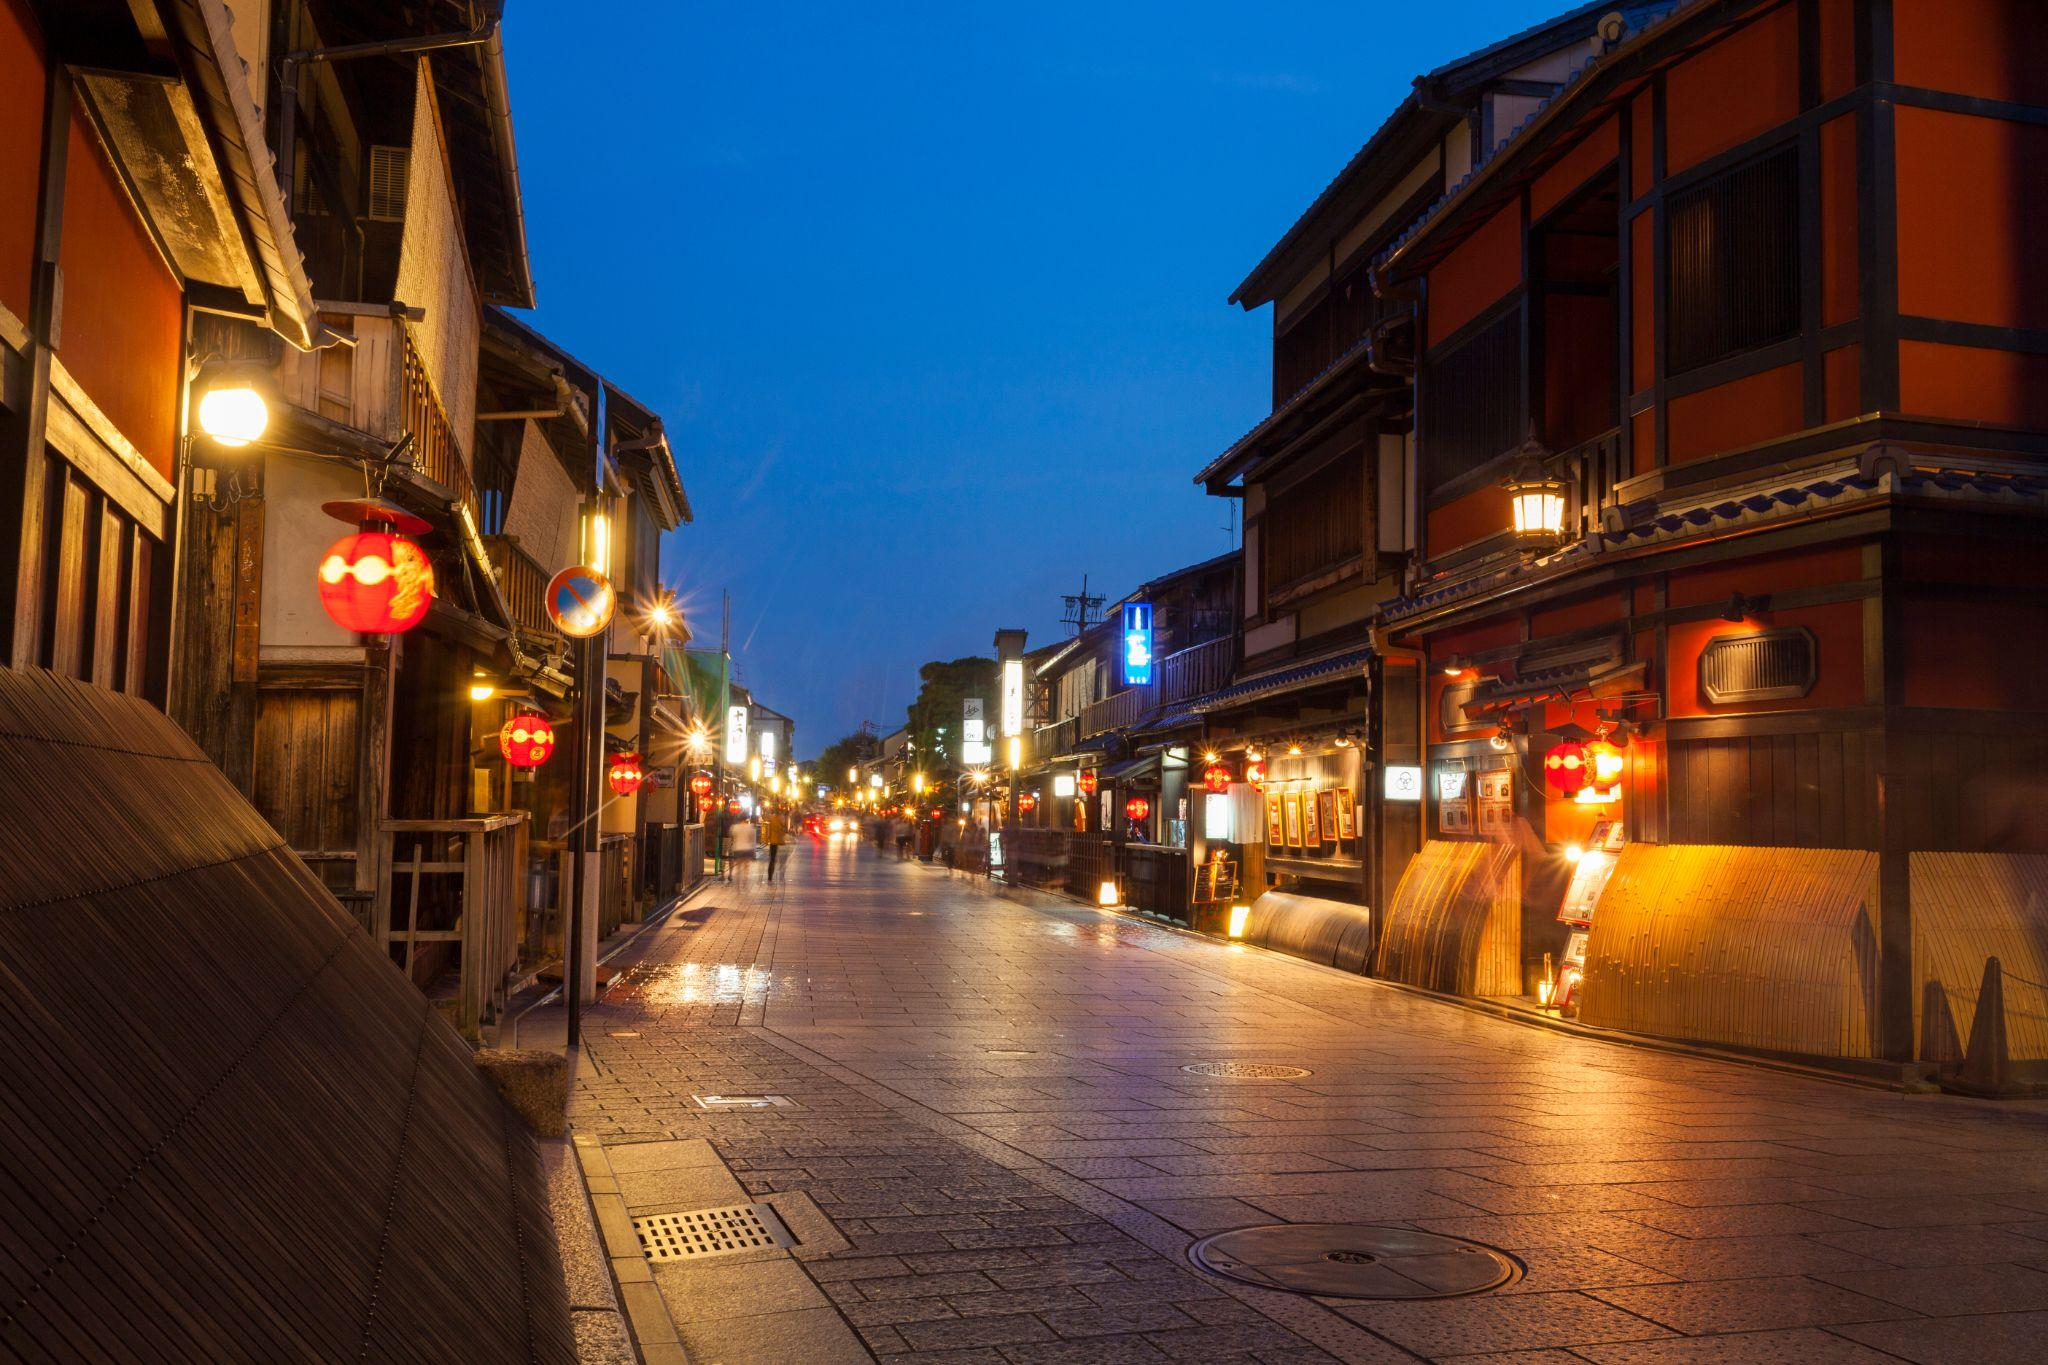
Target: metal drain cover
[
  {"x": 1249, "y": 1071},
  {"x": 700, "y": 1233},
  {"x": 1356, "y": 1261},
  {"x": 742, "y": 1101}
]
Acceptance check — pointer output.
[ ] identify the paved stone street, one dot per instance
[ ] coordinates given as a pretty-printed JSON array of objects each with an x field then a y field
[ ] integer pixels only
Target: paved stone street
[{"x": 988, "y": 1102}]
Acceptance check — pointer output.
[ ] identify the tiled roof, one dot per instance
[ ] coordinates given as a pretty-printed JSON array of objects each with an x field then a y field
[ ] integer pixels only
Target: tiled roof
[
  {"x": 1261, "y": 686},
  {"x": 1837, "y": 485}
]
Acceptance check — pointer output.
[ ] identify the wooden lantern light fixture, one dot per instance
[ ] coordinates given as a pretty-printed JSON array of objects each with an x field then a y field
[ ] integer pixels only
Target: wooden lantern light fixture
[{"x": 1537, "y": 499}]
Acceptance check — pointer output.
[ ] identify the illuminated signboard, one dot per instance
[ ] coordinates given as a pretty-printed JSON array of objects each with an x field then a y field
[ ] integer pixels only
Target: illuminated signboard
[
  {"x": 976, "y": 751},
  {"x": 1404, "y": 784},
  {"x": 736, "y": 734},
  {"x": 766, "y": 744},
  {"x": 1013, "y": 696},
  {"x": 1137, "y": 644},
  {"x": 1063, "y": 784}
]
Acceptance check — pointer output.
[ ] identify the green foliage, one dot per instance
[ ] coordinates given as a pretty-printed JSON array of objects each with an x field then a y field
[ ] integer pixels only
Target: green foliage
[
  {"x": 944, "y": 686},
  {"x": 841, "y": 754}
]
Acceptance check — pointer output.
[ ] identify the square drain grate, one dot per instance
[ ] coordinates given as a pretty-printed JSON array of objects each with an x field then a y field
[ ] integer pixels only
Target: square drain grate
[
  {"x": 702, "y": 1233},
  {"x": 742, "y": 1101}
]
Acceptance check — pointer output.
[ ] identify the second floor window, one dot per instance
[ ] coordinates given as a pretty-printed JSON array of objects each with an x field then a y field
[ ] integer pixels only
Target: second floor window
[
  {"x": 1734, "y": 262},
  {"x": 1472, "y": 402}
]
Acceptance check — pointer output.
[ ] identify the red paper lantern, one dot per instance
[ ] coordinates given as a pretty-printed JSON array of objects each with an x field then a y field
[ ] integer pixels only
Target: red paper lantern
[
  {"x": 1088, "y": 782},
  {"x": 1216, "y": 778},
  {"x": 732, "y": 807},
  {"x": 527, "y": 739},
  {"x": 1027, "y": 802},
  {"x": 700, "y": 785},
  {"x": 627, "y": 773},
  {"x": 1137, "y": 808},
  {"x": 704, "y": 806},
  {"x": 376, "y": 582},
  {"x": 1255, "y": 773},
  {"x": 1566, "y": 768}
]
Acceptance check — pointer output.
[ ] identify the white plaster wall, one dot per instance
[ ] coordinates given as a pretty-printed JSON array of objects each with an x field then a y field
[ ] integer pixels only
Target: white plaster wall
[
  {"x": 434, "y": 271},
  {"x": 296, "y": 533}
]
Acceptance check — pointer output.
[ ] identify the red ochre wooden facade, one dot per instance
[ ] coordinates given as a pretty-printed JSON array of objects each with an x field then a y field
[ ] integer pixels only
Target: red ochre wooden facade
[{"x": 1913, "y": 385}]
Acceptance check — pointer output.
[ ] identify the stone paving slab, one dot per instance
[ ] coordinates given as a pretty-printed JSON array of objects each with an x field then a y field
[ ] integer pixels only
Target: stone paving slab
[{"x": 1005, "y": 1162}]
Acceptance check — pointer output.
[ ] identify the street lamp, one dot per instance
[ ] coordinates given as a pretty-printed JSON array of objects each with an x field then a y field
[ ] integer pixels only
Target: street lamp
[{"x": 231, "y": 408}]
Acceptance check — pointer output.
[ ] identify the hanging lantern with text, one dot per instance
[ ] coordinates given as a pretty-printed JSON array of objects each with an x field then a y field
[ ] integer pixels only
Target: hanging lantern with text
[
  {"x": 1216, "y": 777},
  {"x": 1088, "y": 781},
  {"x": 1137, "y": 808},
  {"x": 626, "y": 773},
  {"x": 1565, "y": 767},
  {"x": 1255, "y": 773},
  {"x": 700, "y": 785},
  {"x": 1027, "y": 802},
  {"x": 376, "y": 581},
  {"x": 527, "y": 739}
]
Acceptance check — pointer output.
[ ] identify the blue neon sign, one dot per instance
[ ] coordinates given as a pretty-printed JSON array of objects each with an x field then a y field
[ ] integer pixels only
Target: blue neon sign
[{"x": 1137, "y": 644}]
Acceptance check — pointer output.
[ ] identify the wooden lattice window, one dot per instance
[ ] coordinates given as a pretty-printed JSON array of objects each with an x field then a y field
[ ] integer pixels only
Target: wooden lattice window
[
  {"x": 1734, "y": 262},
  {"x": 1770, "y": 665}
]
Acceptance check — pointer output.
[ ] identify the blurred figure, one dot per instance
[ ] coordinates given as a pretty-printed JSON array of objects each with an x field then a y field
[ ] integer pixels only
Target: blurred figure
[{"x": 774, "y": 833}]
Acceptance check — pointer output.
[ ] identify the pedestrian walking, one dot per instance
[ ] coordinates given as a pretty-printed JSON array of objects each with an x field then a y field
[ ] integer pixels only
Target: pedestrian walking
[{"x": 774, "y": 833}]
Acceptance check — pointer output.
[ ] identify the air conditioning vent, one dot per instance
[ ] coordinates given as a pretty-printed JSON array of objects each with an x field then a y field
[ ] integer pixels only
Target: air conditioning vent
[
  {"x": 1770, "y": 665},
  {"x": 388, "y": 167}
]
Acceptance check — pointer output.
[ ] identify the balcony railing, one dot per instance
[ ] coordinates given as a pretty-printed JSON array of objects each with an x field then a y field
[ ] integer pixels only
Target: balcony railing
[
  {"x": 449, "y": 896},
  {"x": 524, "y": 583},
  {"x": 1593, "y": 468},
  {"x": 1120, "y": 711},
  {"x": 1197, "y": 670},
  {"x": 1050, "y": 741}
]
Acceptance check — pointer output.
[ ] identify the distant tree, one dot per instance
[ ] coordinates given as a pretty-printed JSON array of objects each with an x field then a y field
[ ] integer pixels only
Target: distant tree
[
  {"x": 933, "y": 719},
  {"x": 841, "y": 754}
]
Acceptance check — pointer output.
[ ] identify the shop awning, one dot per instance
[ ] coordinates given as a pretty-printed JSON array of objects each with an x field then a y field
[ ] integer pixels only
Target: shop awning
[
  {"x": 1273, "y": 683},
  {"x": 1130, "y": 767}
]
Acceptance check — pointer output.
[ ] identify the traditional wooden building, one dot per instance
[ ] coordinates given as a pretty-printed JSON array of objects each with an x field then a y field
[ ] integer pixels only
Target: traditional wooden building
[
  {"x": 1728, "y": 550},
  {"x": 138, "y": 203},
  {"x": 1327, "y": 483}
]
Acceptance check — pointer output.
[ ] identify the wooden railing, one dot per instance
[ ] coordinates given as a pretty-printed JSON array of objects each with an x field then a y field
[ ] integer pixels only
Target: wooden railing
[
  {"x": 1047, "y": 741},
  {"x": 434, "y": 451},
  {"x": 451, "y": 892},
  {"x": 615, "y": 900},
  {"x": 1197, "y": 670},
  {"x": 1120, "y": 711},
  {"x": 524, "y": 583},
  {"x": 1592, "y": 468}
]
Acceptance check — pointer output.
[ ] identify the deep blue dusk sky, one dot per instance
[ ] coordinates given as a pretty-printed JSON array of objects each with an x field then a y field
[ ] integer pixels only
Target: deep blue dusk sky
[{"x": 931, "y": 297}]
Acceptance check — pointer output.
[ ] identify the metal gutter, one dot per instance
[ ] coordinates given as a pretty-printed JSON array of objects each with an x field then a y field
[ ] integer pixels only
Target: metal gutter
[{"x": 497, "y": 94}]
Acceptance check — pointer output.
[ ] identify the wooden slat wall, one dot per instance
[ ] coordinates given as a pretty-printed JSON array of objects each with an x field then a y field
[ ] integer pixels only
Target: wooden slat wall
[
  {"x": 102, "y": 603},
  {"x": 1771, "y": 948},
  {"x": 1455, "y": 923},
  {"x": 1808, "y": 790},
  {"x": 306, "y": 785},
  {"x": 234, "y": 1132}
]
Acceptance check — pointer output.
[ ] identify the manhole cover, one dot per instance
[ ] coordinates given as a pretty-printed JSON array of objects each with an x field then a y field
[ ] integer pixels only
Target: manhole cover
[
  {"x": 1250, "y": 1071},
  {"x": 1356, "y": 1261},
  {"x": 742, "y": 1101},
  {"x": 700, "y": 1233}
]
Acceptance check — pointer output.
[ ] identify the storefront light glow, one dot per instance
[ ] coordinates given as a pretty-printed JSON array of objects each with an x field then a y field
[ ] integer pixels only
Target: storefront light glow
[
  {"x": 1063, "y": 785},
  {"x": 233, "y": 414},
  {"x": 1238, "y": 915},
  {"x": 1106, "y": 894}
]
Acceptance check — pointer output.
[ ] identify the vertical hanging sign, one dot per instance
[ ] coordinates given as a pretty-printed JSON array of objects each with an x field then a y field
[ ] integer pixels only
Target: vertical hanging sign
[
  {"x": 736, "y": 735},
  {"x": 1013, "y": 697},
  {"x": 975, "y": 749},
  {"x": 1137, "y": 644}
]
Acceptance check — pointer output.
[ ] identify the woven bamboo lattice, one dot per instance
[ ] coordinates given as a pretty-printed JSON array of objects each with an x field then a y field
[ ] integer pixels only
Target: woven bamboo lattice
[
  {"x": 1770, "y": 948},
  {"x": 235, "y": 1132},
  {"x": 1455, "y": 924}
]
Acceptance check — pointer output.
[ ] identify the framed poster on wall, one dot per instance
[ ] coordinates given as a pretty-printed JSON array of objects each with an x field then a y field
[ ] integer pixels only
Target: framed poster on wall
[
  {"x": 1454, "y": 817},
  {"x": 1311, "y": 826},
  {"x": 1276, "y": 834},
  {"x": 1326, "y": 813},
  {"x": 1290, "y": 803},
  {"x": 1347, "y": 814}
]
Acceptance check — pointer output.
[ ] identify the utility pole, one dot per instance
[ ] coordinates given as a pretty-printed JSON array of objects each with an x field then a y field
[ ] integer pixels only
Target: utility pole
[{"x": 718, "y": 738}]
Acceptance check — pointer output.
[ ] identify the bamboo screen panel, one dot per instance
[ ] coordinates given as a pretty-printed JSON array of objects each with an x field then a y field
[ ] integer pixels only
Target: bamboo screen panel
[
  {"x": 1968, "y": 907},
  {"x": 1770, "y": 948},
  {"x": 1456, "y": 921}
]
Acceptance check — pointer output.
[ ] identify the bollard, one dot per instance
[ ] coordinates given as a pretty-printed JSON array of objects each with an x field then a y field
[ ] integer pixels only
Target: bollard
[{"x": 1984, "y": 1064}]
